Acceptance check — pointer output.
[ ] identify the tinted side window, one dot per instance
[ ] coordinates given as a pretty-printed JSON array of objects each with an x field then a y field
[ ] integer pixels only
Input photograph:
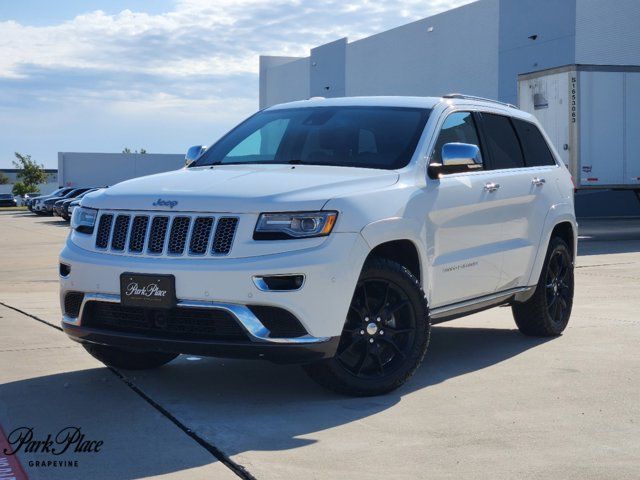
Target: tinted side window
[
  {"x": 458, "y": 127},
  {"x": 536, "y": 150},
  {"x": 502, "y": 142}
]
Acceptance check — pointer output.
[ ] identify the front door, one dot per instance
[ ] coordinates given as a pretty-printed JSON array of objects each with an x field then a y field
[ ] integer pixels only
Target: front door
[{"x": 463, "y": 234}]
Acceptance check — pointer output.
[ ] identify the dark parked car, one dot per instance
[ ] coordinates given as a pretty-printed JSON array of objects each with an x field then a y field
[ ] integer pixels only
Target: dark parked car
[
  {"x": 7, "y": 200},
  {"x": 37, "y": 203},
  {"x": 49, "y": 203},
  {"x": 62, "y": 206}
]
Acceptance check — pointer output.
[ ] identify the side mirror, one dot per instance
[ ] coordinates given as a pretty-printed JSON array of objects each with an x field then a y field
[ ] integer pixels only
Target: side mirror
[
  {"x": 193, "y": 154},
  {"x": 456, "y": 158}
]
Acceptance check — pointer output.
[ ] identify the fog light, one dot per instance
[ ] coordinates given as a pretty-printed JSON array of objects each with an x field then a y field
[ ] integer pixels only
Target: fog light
[{"x": 65, "y": 270}]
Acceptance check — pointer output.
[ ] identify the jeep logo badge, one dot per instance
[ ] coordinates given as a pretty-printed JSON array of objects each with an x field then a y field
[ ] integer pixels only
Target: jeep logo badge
[{"x": 164, "y": 203}]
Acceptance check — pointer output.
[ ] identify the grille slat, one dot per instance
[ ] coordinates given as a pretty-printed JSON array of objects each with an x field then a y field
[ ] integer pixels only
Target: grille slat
[
  {"x": 225, "y": 231},
  {"x": 200, "y": 235},
  {"x": 120, "y": 229},
  {"x": 171, "y": 234},
  {"x": 138, "y": 233},
  {"x": 158, "y": 234},
  {"x": 104, "y": 230},
  {"x": 178, "y": 235}
]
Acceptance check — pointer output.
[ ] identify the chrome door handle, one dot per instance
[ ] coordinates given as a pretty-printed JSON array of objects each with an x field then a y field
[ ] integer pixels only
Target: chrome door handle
[
  {"x": 491, "y": 187},
  {"x": 538, "y": 182}
]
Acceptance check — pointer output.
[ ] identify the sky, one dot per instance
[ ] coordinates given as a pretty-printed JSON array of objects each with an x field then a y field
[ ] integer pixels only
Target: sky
[{"x": 98, "y": 76}]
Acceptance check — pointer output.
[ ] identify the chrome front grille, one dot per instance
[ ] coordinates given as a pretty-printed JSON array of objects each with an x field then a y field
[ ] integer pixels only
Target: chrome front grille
[{"x": 165, "y": 234}]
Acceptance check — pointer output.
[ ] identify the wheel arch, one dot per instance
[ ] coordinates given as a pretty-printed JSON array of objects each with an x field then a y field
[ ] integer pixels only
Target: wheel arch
[
  {"x": 402, "y": 251},
  {"x": 566, "y": 232},
  {"x": 399, "y": 239},
  {"x": 561, "y": 222}
]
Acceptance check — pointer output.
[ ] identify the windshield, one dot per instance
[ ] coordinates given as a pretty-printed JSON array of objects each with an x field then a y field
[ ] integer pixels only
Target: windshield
[{"x": 366, "y": 137}]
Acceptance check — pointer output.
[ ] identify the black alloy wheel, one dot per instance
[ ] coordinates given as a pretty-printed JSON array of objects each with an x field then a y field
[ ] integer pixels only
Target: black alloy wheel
[{"x": 385, "y": 335}]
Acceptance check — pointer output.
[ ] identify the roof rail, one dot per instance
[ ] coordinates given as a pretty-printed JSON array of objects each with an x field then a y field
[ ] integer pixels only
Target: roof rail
[{"x": 473, "y": 97}]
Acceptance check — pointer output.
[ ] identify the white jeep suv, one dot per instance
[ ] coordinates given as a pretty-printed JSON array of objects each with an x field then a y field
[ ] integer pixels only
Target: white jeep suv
[{"x": 328, "y": 232}]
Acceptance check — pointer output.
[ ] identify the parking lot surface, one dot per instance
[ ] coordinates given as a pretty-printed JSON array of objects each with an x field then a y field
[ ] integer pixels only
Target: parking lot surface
[{"x": 487, "y": 403}]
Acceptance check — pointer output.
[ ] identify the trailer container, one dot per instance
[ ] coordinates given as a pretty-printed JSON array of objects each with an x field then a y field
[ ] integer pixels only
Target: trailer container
[{"x": 592, "y": 115}]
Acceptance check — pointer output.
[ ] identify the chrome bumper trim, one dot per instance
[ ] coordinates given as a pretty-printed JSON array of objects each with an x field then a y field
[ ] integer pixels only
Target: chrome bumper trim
[{"x": 255, "y": 329}]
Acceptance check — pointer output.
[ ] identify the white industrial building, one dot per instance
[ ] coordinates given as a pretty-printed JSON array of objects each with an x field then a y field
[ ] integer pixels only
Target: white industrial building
[
  {"x": 575, "y": 64},
  {"x": 85, "y": 169},
  {"x": 479, "y": 49}
]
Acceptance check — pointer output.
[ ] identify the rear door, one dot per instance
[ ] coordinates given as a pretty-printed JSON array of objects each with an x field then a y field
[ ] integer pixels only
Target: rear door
[
  {"x": 524, "y": 170},
  {"x": 462, "y": 232}
]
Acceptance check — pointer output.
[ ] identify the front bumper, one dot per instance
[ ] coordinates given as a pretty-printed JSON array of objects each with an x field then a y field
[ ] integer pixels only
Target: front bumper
[
  {"x": 331, "y": 271},
  {"x": 302, "y": 350}
]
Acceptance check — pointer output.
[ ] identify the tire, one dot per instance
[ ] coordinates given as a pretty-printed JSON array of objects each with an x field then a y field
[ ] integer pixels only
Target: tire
[
  {"x": 385, "y": 336},
  {"x": 547, "y": 312},
  {"x": 127, "y": 359}
]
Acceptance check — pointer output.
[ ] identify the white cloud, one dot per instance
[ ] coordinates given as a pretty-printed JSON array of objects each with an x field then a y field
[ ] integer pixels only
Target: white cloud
[
  {"x": 200, "y": 36},
  {"x": 198, "y": 61}
]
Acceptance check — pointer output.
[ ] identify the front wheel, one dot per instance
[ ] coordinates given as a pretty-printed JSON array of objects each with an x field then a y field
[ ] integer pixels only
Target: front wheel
[
  {"x": 128, "y": 359},
  {"x": 547, "y": 312},
  {"x": 385, "y": 336}
]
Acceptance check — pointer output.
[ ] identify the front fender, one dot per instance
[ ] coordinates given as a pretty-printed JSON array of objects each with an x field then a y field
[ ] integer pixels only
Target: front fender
[{"x": 394, "y": 229}]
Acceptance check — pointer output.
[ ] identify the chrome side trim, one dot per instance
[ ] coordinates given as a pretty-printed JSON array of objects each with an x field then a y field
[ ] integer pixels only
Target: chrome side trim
[
  {"x": 468, "y": 305},
  {"x": 255, "y": 329},
  {"x": 261, "y": 285}
]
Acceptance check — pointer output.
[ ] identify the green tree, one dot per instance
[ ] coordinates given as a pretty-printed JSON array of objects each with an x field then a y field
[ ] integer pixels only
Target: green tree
[
  {"x": 3, "y": 179},
  {"x": 20, "y": 188},
  {"x": 30, "y": 175},
  {"x": 128, "y": 150}
]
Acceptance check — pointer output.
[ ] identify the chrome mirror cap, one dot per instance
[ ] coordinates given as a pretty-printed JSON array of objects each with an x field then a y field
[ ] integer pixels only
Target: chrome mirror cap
[
  {"x": 194, "y": 153},
  {"x": 460, "y": 154},
  {"x": 456, "y": 158}
]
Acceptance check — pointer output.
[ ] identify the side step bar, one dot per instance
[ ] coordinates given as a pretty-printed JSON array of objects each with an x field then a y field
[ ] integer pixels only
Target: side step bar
[{"x": 456, "y": 310}]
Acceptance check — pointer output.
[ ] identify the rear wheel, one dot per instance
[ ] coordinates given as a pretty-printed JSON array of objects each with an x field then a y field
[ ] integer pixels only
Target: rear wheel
[
  {"x": 547, "y": 312},
  {"x": 128, "y": 359},
  {"x": 385, "y": 336}
]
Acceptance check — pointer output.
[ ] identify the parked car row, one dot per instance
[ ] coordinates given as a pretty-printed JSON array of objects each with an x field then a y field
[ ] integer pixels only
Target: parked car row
[
  {"x": 61, "y": 202},
  {"x": 8, "y": 200}
]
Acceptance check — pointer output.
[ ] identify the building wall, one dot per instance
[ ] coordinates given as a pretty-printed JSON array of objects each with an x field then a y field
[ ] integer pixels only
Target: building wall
[
  {"x": 534, "y": 35},
  {"x": 283, "y": 79},
  {"x": 44, "y": 188},
  {"x": 608, "y": 32},
  {"x": 450, "y": 52},
  {"x": 80, "y": 169},
  {"x": 327, "y": 69},
  {"x": 478, "y": 49}
]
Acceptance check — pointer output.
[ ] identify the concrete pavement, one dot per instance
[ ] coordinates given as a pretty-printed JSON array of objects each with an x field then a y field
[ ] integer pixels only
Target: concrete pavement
[{"x": 487, "y": 403}]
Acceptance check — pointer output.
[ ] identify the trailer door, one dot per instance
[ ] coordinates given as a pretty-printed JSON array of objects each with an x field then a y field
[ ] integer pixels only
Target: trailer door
[
  {"x": 601, "y": 128},
  {"x": 632, "y": 125}
]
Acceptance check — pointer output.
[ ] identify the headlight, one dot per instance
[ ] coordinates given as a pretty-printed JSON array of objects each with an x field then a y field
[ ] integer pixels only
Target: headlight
[
  {"x": 283, "y": 226},
  {"x": 84, "y": 219}
]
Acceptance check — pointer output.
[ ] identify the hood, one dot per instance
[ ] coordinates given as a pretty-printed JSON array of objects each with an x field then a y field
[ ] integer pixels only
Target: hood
[{"x": 240, "y": 188}]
